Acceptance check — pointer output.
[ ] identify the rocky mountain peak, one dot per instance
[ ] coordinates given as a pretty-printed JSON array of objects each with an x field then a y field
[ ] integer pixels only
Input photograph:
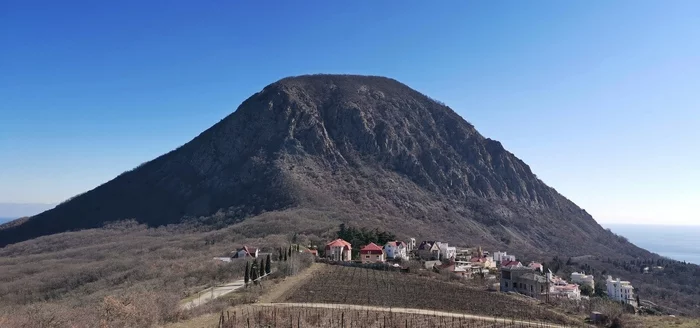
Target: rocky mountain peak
[{"x": 358, "y": 144}]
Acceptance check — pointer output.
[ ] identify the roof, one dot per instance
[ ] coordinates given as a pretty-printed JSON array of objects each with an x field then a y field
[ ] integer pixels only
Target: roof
[
  {"x": 248, "y": 250},
  {"x": 535, "y": 265},
  {"x": 371, "y": 247},
  {"x": 395, "y": 243},
  {"x": 477, "y": 259},
  {"x": 510, "y": 263},
  {"x": 339, "y": 243},
  {"x": 514, "y": 268},
  {"x": 312, "y": 251},
  {"x": 426, "y": 245}
]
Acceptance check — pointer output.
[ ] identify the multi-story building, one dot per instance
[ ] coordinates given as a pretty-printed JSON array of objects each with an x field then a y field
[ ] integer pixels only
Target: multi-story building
[
  {"x": 583, "y": 279},
  {"x": 339, "y": 250},
  {"x": 620, "y": 291},
  {"x": 447, "y": 252},
  {"x": 500, "y": 257},
  {"x": 372, "y": 253},
  {"x": 523, "y": 280},
  {"x": 396, "y": 250}
]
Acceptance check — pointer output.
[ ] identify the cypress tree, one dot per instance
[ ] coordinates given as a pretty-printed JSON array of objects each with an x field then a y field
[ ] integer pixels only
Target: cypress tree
[
  {"x": 268, "y": 267},
  {"x": 254, "y": 271},
  {"x": 285, "y": 256},
  {"x": 247, "y": 273},
  {"x": 280, "y": 250},
  {"x": 262, "y": 268},
  {"x": 290, "y": 251}
]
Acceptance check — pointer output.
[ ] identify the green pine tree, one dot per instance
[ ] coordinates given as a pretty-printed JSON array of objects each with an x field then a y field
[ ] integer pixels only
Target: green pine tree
[
  {"x": 268, "y": 267},
  {"x": 247, "y": 273}
]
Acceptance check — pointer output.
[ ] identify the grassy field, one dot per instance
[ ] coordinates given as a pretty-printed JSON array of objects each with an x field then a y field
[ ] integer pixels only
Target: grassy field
[{"x": 351, "y": 285}]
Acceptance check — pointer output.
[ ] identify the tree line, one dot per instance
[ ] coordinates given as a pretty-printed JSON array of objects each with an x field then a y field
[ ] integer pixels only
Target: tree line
[{"x": 255, "y": 271}]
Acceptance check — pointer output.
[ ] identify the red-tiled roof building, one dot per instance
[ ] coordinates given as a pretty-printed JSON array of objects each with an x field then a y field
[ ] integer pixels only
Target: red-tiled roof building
[
  {"x": 372, "y": 253},
  {"x": 339, "y": 250}
]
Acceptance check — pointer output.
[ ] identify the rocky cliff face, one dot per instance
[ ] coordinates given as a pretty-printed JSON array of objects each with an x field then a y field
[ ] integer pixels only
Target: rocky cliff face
[{"x": 357, "y": 143}]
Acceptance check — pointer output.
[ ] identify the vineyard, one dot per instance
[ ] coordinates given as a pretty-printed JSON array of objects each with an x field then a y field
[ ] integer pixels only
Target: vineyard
[
  {"x": 328, "y": 316},
  {"x": 336, "y": 284}
]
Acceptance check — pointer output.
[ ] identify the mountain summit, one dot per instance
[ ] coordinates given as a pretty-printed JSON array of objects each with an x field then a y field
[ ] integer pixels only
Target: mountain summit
[{"x": 360, "y": 144}]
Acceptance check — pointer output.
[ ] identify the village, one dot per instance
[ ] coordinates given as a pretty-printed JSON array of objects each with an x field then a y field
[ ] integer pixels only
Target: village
[{"x": 504, "y": 272}]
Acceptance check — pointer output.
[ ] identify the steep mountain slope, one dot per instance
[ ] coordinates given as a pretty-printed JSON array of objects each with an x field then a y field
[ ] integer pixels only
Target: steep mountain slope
[{"x": 359, "y": 144}]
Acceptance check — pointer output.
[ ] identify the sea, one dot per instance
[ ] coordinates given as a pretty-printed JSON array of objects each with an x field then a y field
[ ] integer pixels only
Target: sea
[
  {"x": 3, "y": 220},
  {"x": 680, "y": 243}
]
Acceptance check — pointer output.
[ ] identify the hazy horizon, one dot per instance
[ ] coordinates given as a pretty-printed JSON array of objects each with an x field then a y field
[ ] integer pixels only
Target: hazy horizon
[{"x": 599, "y": 99}]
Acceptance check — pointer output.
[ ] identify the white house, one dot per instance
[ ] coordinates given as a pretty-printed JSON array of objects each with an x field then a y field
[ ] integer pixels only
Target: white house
[
  {"x": 582, "y": 278},
  {"x": 396, "y": 250},
  {"x": 446, "y": 251},
  {"x": 620, "y": 291},
  {"x": 503, "y": 257},
  {"x": 570, "y": 291},
  {"x": 339, "y": 250},
  {"x": 411, "y": 244}
]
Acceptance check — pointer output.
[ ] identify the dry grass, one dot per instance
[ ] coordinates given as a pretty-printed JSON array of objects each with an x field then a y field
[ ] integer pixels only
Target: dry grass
[
  {"x": 125, "y": 275},
  {"x": 632, "y": 321}
]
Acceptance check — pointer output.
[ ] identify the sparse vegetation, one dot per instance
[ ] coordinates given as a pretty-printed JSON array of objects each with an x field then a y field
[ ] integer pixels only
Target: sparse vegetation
[{"x": 124, "y": 275}]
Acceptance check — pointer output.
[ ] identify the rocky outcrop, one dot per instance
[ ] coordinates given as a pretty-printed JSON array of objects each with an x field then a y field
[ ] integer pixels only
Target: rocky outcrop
[{"x": 353, "y": 142}]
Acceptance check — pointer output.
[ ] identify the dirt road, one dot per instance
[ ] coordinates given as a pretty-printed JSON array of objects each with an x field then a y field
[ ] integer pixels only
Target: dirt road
[
  {"x": 289, "y": 284},
  {"x": 405, "y": 310},
  {"x": 213, "y": 293}
]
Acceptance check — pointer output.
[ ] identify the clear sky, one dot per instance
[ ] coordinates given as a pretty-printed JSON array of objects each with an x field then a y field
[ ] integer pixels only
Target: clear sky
[{"x": 601, "y": 98}]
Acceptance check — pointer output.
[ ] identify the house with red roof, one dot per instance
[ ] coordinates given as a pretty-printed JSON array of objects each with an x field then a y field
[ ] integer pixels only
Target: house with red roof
[
  {"x": 339, "y": 250},
  {"x": 511, "y": 264},
  {"x": 372, "y": 253},
  {"x": 396, "y": 250},
  {"x": 244, "y": 252}
]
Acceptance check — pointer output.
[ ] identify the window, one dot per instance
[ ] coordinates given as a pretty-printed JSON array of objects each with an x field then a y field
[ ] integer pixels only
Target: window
[
  {"x": 366, "y": 256},
  {"x": 506, "y": 284},
  {"x": 532, "y": 288}
]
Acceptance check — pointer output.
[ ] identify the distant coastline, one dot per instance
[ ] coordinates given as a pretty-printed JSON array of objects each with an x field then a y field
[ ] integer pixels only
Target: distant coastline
[
  {"x": 675, "y": 242},
  {"x": 3, "y": 220}
]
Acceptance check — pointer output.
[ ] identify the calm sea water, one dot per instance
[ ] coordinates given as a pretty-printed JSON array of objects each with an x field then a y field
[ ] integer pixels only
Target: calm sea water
[
  {"x": 680, "y": 243},
  {"x": 3, "y": 220}
]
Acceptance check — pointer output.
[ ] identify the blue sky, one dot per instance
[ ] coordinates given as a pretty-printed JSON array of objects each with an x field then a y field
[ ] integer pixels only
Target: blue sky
[{"x": 600, "y": 98}]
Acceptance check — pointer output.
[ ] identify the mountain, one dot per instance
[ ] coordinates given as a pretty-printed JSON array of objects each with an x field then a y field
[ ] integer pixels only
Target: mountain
[{"x": 365, "y": 145}]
